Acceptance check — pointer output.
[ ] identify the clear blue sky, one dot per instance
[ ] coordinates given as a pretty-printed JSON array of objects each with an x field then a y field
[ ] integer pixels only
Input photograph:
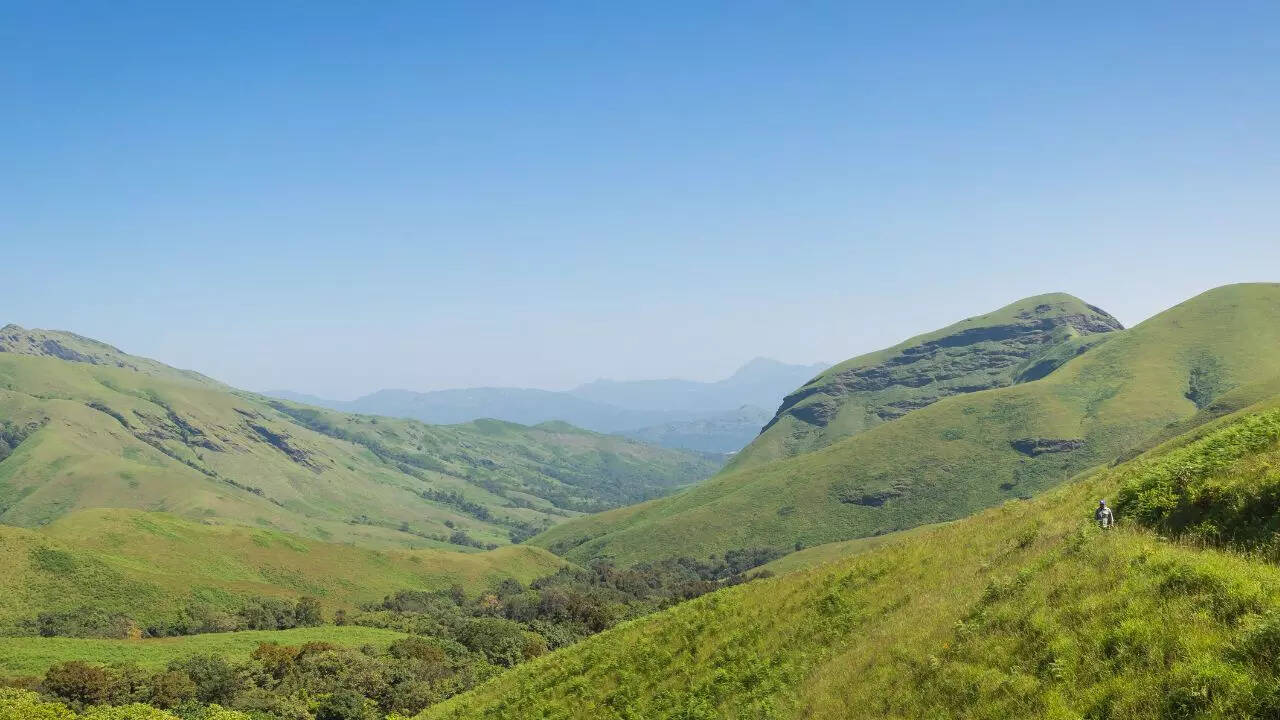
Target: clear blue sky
[{"x": 335, "y": 198}]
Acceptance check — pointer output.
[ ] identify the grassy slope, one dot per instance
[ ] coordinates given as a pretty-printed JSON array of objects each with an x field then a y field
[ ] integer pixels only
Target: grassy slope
[
  {"x": 34, "y": 655},
  {"x": 957, "y": 456},
  {"x": 983, "y": 352},
  {"x": 150, "y": 565},
  {"x": 840, "y": 550},
  {"x": 154, "y": 438},
  {"x": 1025, "y": 610}
]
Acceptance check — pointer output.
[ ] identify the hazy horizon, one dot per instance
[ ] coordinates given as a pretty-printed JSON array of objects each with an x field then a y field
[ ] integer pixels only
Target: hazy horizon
[
  {"x": 431, "y": 196},
  {"x": 519, "y": 387},
  {"x": 640, "y": 377}
]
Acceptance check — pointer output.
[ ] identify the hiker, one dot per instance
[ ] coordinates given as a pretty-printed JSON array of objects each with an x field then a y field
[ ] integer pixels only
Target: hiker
[{"x": 1103, "y": 515}]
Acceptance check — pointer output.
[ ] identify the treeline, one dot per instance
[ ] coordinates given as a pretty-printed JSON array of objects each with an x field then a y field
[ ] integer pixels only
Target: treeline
[
  {"x": 12, "y": 435},
  {"x": 453, "y": 642},
  {"x": 257, "y": 614},
  {"x": 314, "y": 681},
  {"x": 519, "y": 530},
  {"x": 558, "y": 609}
]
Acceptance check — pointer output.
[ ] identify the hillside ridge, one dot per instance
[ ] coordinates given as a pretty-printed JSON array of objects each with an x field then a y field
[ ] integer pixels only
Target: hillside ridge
[
  {"x": 116, "y": 430},
  {"x": 1021, "y": 341},
  {"x": 962, "y": 452},
  {"x": 1023, "y": 610},
  {"x": 68, "y": 346},
  {"x": 150, "y": 566}
]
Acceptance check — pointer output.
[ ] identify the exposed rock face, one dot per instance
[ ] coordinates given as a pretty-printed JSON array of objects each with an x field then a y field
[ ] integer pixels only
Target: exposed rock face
[
  {"x": 79, "y": 349},
  {"x": 1040, "y": 446},
  {"x": 281, "y": 441},
  {"x": 61, "y": 345},
  {"x": 1020, "y": 343},
  {"x": 12, "y": 435},
  {"x": 982, "y": 357},
  {"x": 870, "y": 499}
]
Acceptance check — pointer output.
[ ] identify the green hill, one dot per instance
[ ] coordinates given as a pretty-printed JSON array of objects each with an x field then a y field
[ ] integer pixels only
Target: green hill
[
  {"x": 964, "y": 452},
  {"x": 85, "y": 425},
  {"x": 1017, "y": 343},
  {"x": 33, "y": 656},
  {"x": 1027, "y": 610},
  {"x": 150, "y": 566}
]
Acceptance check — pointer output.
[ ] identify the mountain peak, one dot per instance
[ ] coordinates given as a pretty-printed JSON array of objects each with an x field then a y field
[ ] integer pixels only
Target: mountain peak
[
  {"x": 760, "y": 368},
  {"x": 1077, "y": 312},
  {"x": 70, "y": 347},
  {"x": 1022, "y": 341}
]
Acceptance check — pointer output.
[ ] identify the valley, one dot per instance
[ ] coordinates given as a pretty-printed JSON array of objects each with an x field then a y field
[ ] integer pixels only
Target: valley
[
  {"x": 963, "y": 452},
  {"x": 718, "y": 417},
  {"x": 105, "y": 429},
  {"x": 1023, "y": 610},
  {"x": 910, "y": 535}
]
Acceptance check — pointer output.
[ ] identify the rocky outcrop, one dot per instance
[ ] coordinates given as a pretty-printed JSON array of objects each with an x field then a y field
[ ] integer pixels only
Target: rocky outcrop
[
  {"x": 871, "y": 499},
  {"x": 974, "y": 357},
  {"x": 61, "y": 345},
  {"x": 280, "y": 440},
  {"x": 70, "y": 347},
  {"x": 13, "y": 434},
  {"x": 1040, "y": 446}
]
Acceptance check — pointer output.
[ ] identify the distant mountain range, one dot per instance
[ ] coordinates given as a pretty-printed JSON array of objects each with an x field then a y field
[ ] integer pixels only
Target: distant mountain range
[
  {"x": 722, "y": 433},
  {"x": 719, "y": 417}
]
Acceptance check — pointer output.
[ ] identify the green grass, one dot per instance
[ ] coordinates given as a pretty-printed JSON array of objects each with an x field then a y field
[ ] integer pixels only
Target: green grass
[
  {"x": 960, "y": 454},
  {"x": 107, "y": 429},
  {"x": 151, "y": 565},
  {"x": 1222, "y": 488},
  {"x": 1026, "y": 339},
  {"x": 34, "y": 655},
  {"x": 831, "y": 552},
  {"x": 1027, "y": 610}
]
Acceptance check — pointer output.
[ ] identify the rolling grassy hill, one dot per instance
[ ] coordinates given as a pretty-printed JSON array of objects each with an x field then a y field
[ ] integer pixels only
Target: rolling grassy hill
[
  {"x": 150, "y": 566},
  {"x": 1024, "y": 610},
  {"x": 963, "y": 452},
  {"x": 1023, "y": 341},
  {"x": 32, "y": 656},
  {"x": 85, "y": 425}
]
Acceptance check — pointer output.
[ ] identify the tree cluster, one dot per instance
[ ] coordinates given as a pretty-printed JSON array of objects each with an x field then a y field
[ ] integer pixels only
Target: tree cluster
[{"x": 453, "y": 640}]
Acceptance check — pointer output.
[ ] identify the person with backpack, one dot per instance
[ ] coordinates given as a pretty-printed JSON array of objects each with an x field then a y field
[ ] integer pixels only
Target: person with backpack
[{"x": 1104, "y": 516}]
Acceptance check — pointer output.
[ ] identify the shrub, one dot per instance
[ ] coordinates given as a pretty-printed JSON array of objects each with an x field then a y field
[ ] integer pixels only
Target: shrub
[
  {"x": 18, "y": 704},
  {"x": 78, "y": 683},
  {"x": 345, "y": 705},
  {"x": 1201, "y": 489},
  {"x": 269, "y": 614},
  {"x": 502, "y": 641},
  {"x": 171, "y": 688},
  {"x": 306, "y": 612},
  {"x": 416, "y": 648},
  {"x": 214, "y": 679},
  {"x": 136, "y": 711}
]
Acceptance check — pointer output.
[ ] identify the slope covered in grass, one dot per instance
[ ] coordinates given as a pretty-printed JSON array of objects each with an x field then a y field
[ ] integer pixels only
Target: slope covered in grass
[
  {"x": 87, "y": 426},
  {"x": 34, "y": 655},
  {"x": 150, "y": 566},
  {"x": 1027, "y": 610},
  {"x": 817, "y": 555},
  {"x": 963, "y": 452},
  {"x": 1023, "y": 341}
]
